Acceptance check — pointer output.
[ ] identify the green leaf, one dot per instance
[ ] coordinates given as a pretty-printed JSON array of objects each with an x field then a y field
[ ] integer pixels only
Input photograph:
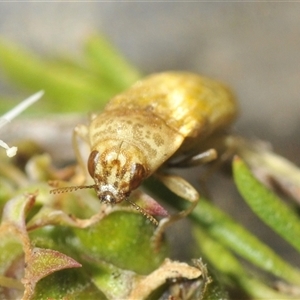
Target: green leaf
[
  {"x": 69, "y": 90},
  {"x": 15, "y": 209},
  {"x": 109, "y": 64},
  {"x": 241, "y": 241},
  {"x": 114, "y": 282},
  {"x": 67, "y": 284},
  {"x": 224, "y": 262},
  {"x": 123, "y": 239},
  {"x": 231, "y": 234},
  {"x": 43, "y": 262},
  {"x": 266, "y": 205}
]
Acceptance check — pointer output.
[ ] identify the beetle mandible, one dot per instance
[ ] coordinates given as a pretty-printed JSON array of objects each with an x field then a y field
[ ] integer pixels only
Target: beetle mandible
[{"x": 140, "y": 130}]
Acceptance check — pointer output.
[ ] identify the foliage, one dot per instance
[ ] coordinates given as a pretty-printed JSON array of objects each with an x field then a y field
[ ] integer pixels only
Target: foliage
[{"x": 71, "y": 246}]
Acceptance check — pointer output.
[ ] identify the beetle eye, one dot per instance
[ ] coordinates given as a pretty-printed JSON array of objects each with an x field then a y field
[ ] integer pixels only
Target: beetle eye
[
  {"x": 92, "y": 162},
  {"x": 137, "y": 175}
]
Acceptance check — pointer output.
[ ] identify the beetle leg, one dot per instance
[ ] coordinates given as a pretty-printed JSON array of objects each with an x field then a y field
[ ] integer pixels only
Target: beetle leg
[
  {"x": 80, "y": 131},
  {"x": 183, "y": 189},
  {"x": 195, "y": 160},
  {"x": 178, "y": 186},
  {"x": 227, "y": 147}
]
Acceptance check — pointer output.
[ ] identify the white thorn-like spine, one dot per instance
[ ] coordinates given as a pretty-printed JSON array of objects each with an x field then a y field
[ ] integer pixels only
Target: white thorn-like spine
[{"x": 10, "y": 115}]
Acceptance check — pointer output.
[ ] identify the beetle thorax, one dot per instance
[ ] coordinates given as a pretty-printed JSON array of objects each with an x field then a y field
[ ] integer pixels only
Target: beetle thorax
[
  {"x": 117, "y": 168},
  {"x": 150, "y": 137}
]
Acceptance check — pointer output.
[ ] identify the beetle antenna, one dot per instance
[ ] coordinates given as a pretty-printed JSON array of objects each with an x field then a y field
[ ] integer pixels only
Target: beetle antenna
[
  {"x": 143, "y": 212},
  {"x": 68, "y": 189}
]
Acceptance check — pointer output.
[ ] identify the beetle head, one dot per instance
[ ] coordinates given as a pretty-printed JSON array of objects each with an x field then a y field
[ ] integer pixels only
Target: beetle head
[{"x": 115, "y": 174}]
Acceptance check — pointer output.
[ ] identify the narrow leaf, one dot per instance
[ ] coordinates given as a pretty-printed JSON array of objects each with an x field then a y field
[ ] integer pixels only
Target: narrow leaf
[
  {"x": 266, "y": 205},
  {"x": 71, "y": 90},
  {"x": 223, "y": 260},
  {"x": 110, "y": 64},
  {"x": 228, "y": 232}
]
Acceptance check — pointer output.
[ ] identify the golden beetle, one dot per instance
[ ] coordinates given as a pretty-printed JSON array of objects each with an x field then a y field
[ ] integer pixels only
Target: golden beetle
[{"x": 160, "y": 117}]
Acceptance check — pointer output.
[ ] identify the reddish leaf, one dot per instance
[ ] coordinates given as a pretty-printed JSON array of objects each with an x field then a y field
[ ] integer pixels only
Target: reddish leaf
[{"x": 43, "y": 262}]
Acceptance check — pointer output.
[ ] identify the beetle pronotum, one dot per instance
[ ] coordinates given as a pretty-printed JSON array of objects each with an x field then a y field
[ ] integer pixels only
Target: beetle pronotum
[{"x": 140, "y": 130}]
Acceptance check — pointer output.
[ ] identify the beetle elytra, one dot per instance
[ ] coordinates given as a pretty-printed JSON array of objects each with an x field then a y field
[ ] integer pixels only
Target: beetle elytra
[{"x": 161, "y": 117}]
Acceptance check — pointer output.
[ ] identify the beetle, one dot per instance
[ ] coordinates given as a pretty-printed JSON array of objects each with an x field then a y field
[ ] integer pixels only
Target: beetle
[{"x": 140, "y": 131}]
